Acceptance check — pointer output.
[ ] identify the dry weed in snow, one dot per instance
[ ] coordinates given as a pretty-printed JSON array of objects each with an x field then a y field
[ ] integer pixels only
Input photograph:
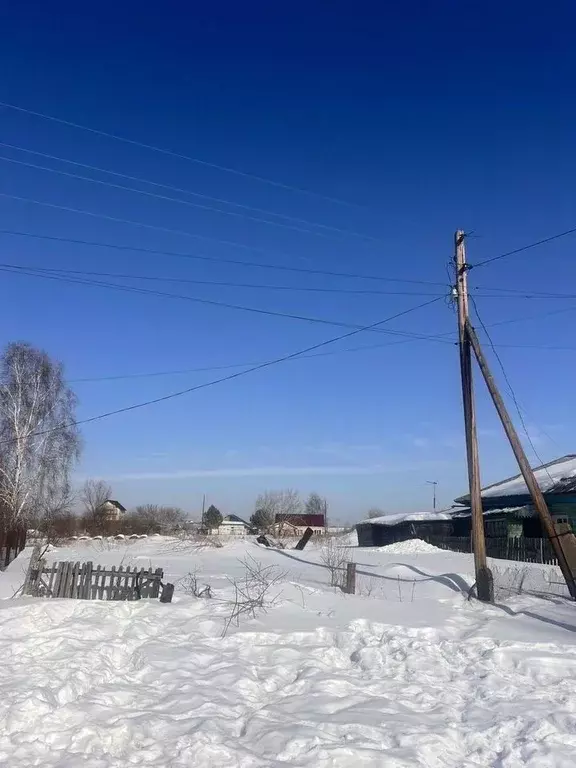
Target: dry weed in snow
[
  {"x": 254, "y": 592},
  {"x": 334, "y": 555}
]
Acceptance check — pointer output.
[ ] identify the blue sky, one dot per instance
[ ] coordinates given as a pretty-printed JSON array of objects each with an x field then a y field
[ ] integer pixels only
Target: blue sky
[{"x": 423, "y": 117}]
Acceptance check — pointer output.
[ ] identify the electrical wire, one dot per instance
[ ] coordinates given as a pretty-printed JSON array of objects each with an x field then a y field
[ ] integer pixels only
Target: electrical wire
[
  {"x": 180, "y": 156},
  {"x": 215, "y": 259},
  {"x": 172, "y": 188},
  {"x": 524, "y": 248},
  {"x": 510, "y": 388},
  {"x": 228, "y": 284},
  {"x": 205, "y": 369},
  {"x": 11, "y": 269},
  {"x": 230, "y": 377},
  {"x": 257, "y": 286},
  {"x": 158, "y": 196}
]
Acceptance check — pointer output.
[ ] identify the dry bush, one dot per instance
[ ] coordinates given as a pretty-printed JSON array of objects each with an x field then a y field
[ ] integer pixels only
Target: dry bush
[
  {"x": 530, "y": 579},
  {"x": 334, "y": 556},
  {"x": 252, "y": 592},
  {"x": 191, "y": 587}
]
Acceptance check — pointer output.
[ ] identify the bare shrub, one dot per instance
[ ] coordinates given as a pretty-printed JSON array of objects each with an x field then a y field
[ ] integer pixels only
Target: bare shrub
[
  {"x": 252, "y": 594},
  {"x": 187, "y": 540},
  {"x": 334, "y": 555},
  {"x": 191, "y": 587},
  {"x": 531, "y": 579}
]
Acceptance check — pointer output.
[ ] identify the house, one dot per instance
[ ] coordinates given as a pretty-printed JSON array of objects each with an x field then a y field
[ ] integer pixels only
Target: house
[
  {"x": 507, "y": 507},
  {"x": 232, "y": 525},
  {"x": 296, "y": 524},
  {"x": 112, "y": 510},
  {"x": 388, "y": 529},
  {"x": 507, "y": 504}
]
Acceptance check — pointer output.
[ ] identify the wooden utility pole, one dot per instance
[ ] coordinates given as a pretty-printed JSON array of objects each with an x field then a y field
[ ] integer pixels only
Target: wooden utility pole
[
  {"x": 484, "y": 582},
  {"x": 525, "y": 468}
]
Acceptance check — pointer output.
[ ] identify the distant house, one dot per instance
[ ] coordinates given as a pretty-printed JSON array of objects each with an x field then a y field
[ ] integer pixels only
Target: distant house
[
  {"x": 232, "y": 525},
  {"x": 112, "y": 509},
  {"x": 296, "y": 524},
  {"x": 506, "y": 505},
  {"x": 388, "y": 529}
]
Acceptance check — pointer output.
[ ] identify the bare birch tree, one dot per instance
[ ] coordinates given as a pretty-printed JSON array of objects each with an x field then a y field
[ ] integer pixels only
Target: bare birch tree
[{"x": 39, "y": 441}]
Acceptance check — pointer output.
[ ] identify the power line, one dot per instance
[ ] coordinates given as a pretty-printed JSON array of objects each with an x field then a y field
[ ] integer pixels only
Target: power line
[
  {"x": 132, "y": 222},
  {"x": 257, "y": 286},
  {"x": 182, "y": 190},
  {"x": 180, "y": 156},
  {"x": 533, "y": 317},
  {"x": 216, "y": 259},
  {"x": 227, "y": 284},
  {"x": 232, "y": 376},
  {"x": 524, "y": 248},
  {"x": 510, "y": 388},
  {"x": 12, "y": 269},
  {"x": 158, "y": 196},
  {"x": 205, "y": 369}
]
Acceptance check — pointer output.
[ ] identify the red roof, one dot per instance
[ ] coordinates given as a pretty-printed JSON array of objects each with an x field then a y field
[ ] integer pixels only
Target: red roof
[{"x": 314, "y": 521}]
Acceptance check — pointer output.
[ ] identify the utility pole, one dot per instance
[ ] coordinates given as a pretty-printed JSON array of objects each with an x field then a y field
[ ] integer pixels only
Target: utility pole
[
  {"x": 484, "y": 581},
  {"x": 203, "y": 507},
  {"x": 525, "y": 468},
  {"x": 433, "y": 483}
]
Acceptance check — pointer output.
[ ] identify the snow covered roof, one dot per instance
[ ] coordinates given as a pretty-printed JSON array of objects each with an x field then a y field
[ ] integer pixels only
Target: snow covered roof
[
  {"x": 524, "y": 511},
  {"x": 409, "y": 517},
  {"x": 558, "y": 476}
]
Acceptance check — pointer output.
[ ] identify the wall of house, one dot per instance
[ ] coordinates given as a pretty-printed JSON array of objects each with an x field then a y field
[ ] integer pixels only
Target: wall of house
[{"x": 229, "y": 530}]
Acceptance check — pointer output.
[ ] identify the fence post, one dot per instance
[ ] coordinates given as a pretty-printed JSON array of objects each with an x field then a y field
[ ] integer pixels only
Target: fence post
[
  {"x": 32, "y": 572},
  {"x": 167, "y": 592},
  {"x": 350, "y": 578}
]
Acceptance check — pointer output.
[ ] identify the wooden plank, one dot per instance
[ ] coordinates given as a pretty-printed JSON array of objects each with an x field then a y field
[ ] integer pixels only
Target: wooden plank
[
  {"x": 40, "y": 587},
  {"x": 76, "y": 579},
  {"x": 112, "y": 589},
  {"x": 94, "y": 587},
  {"x": 119, "y": 585},
  {"x": 67, "y": 579},
  {"x": 101, "y": 581},
  {"x": 51, "y": 573},
  {"x": 87, "y": 591},
  {"x": 80, "y": 581},
  {"x": 159, "y": 573},
  {"x": 129, "y": 584},
  {"x": 70, "y": 579},
  {"x": 57, "y": 579},
  {"x": 140, "y": 583},
  {"x": 144, "y": 583}
]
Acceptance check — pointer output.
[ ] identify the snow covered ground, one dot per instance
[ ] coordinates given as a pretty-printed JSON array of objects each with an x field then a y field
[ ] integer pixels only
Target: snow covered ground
[{"x": 407, "y": 673}]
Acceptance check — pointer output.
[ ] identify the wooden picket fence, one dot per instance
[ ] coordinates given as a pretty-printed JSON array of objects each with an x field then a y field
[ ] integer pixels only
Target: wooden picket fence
[
  {"x": 83, "y": 581},
  {"x": 506, "y": 548}
]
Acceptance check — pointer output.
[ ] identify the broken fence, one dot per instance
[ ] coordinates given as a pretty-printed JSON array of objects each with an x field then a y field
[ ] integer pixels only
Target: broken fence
[{"x": 83, "y": 581}]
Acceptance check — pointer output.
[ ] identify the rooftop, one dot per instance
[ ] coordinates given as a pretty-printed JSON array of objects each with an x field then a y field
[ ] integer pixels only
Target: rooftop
[{"x": 558, "y": 476}]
